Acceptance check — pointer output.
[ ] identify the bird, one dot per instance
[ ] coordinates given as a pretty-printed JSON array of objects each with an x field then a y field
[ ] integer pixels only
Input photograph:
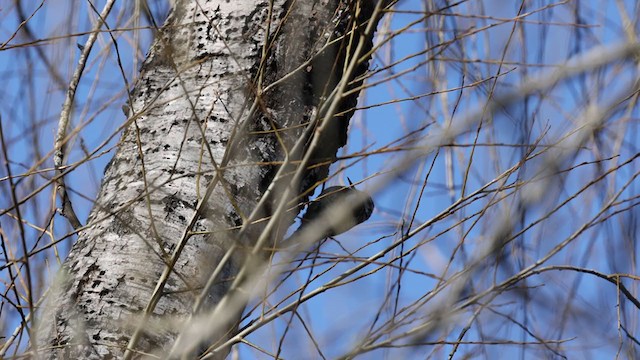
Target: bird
[{"x": 361, "y": 204}]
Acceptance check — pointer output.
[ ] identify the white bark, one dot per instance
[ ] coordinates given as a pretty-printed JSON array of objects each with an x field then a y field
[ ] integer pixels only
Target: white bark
[{"x": 200, "y": 78}]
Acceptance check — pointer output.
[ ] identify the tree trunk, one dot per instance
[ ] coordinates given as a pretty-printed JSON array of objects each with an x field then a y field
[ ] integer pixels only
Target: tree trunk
[{"x": 232, "y": 98}]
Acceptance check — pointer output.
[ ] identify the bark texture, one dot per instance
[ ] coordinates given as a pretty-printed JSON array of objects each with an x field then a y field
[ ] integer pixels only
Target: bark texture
[{"x": 191, "y": 124}]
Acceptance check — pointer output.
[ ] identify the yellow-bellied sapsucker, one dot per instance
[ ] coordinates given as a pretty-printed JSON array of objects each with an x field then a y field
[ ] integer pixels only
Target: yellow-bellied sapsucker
[{"x": 360, "y": 202}]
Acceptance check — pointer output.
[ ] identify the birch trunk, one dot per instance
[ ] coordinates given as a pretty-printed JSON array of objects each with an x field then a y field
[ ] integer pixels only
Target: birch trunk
[{"x": 227, "y": 94}]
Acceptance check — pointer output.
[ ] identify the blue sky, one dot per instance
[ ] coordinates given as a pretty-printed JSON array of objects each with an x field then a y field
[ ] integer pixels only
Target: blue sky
[{"x": 544, "y": 40}]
